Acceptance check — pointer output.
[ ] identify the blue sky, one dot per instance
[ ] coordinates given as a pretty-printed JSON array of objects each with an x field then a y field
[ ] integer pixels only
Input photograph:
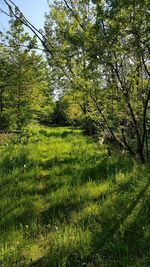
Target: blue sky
[{"x": 34, "y": 11}]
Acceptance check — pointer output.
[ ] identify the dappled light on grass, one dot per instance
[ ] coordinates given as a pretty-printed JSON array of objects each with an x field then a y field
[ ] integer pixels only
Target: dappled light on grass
[{"x": 65, "y": 202}]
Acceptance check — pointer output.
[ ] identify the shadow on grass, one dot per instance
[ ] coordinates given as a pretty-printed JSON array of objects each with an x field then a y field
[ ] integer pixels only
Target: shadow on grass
[
  {"x": 63, "y": 134},
  {"x": 59, "y": 212},
  {"x": 120, "y": 244},
  {"x": 117, "y": 243},
  {"x": 105, "y": 169},
  {"x": 13, "y": 217},
  {"x": 56, "y": 161}
]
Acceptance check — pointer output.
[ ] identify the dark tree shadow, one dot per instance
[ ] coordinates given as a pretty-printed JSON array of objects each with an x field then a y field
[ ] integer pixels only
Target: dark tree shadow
[{"x": 104, "y": 170}]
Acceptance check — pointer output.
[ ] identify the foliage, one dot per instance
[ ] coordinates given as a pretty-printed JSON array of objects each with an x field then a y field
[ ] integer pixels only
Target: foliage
[{"x": 99, "y": 51}]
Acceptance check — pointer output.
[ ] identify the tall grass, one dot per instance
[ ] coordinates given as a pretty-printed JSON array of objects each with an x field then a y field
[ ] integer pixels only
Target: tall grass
[{"x": 64, "y": 202}]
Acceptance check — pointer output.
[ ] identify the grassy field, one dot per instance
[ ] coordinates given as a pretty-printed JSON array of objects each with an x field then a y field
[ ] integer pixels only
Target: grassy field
[{"x": 65, "y": 203}]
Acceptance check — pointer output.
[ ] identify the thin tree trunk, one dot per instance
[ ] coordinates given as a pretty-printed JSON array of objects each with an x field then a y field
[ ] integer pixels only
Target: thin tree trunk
[
  {"x": 147, "y": 149},
  {"x": 144, "y": 120},
  {"x": 19, "y": 99},
  {"x": 1, "y": 100}
]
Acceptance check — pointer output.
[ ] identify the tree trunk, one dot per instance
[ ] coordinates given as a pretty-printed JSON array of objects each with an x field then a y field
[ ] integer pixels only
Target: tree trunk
[{"x": 1, "y": 100}]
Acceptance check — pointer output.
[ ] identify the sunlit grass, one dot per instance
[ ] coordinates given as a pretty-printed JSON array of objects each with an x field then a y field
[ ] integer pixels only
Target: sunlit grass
[{"x": 64, "y": 202}]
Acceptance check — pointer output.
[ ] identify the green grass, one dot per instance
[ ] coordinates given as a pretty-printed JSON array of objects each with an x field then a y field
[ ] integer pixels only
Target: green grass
[{"x": 65, "y": 203}]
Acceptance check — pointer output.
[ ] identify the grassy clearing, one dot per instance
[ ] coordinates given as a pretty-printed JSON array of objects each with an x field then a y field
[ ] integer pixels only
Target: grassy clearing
[{"x": 64, "y": 202}]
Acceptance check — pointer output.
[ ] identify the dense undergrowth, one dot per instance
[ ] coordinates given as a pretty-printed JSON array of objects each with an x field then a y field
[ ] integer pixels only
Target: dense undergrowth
[{"x": 65, "y": 202}]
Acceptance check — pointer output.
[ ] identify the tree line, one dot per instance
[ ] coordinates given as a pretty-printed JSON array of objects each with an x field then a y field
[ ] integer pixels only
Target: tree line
[
  {"x": 24, "y": 84},
  {"x": 98, "y": 58}
]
